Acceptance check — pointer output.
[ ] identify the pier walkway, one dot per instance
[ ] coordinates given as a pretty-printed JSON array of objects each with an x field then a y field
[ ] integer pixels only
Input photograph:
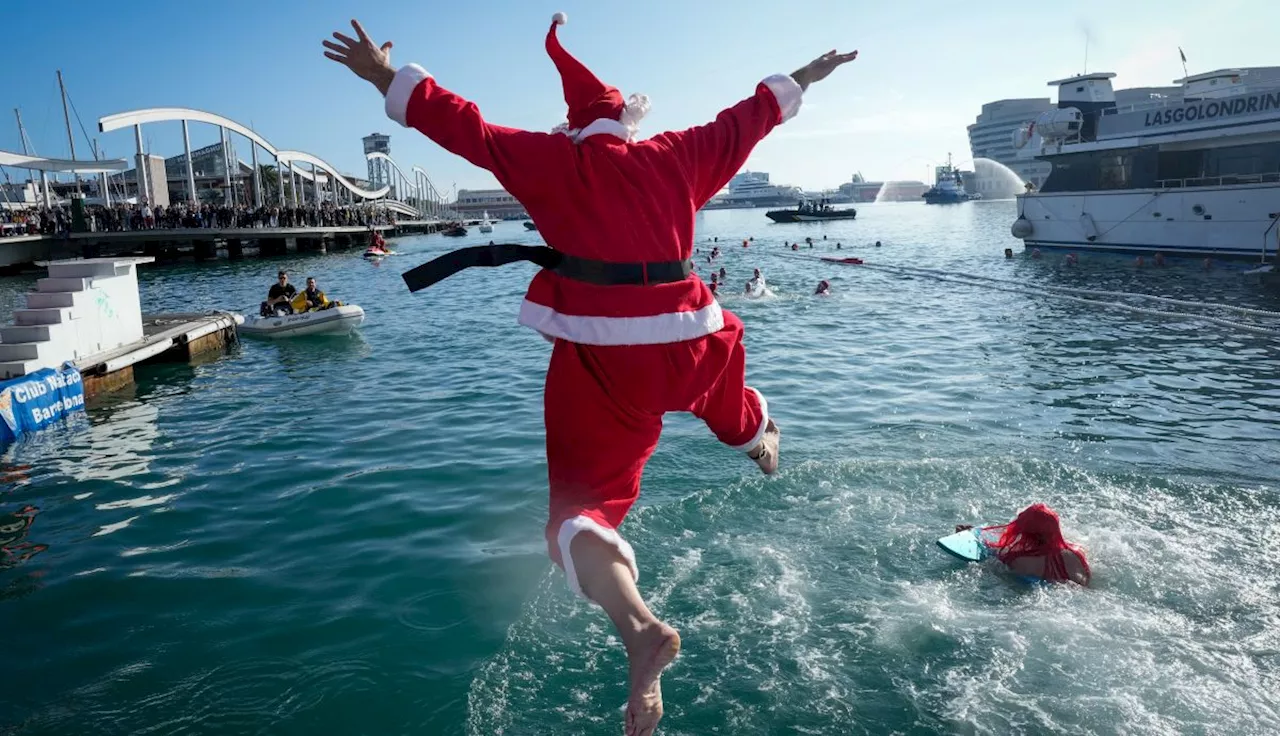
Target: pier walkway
[{"x": 19, "y": 251}]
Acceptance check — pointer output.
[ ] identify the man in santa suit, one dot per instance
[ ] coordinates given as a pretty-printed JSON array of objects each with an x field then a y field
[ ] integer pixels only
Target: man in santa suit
[{"x": 636, "y": 333}]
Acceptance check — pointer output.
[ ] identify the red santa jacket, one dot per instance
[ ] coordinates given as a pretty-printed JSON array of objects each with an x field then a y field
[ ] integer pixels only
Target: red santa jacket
[{"x": 598, "y": 195}]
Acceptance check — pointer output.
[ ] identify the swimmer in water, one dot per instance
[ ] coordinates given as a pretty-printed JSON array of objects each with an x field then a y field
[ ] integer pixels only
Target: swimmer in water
[
  {"x": 1032, "y": 545},
  {"x": 723, "y": 274},
  {"x": 824, "y": 288},
  {"x": 877, "y": 243}
]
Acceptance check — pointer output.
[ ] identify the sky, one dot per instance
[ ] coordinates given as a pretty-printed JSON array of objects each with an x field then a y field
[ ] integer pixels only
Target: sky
[{"x": 924, "y": 69}]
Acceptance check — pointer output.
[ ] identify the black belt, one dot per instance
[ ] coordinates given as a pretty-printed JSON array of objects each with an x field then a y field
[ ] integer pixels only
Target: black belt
[{"x": 602, "y": 273}]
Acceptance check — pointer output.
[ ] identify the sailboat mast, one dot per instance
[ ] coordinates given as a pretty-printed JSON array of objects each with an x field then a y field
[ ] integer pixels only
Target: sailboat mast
[
  {"x": 67, "y": 117},
  {"x": 22, "y": 135}
]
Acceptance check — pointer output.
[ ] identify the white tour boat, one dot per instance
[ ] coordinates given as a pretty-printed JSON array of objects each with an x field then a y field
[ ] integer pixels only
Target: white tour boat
[{"x": 1197, "y": 176}]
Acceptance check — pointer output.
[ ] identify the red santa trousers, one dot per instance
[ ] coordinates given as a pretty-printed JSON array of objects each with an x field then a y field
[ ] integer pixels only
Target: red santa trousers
[{"x": 603, "y": 407}]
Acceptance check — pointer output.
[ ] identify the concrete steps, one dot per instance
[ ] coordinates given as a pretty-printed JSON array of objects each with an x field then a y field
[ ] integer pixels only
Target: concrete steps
[
  {"x": 84, "y": 307},
  {"x": 42, "y": 316},
  {"x": 54, "y": 299},
  {"x": 39, "y": 352},
  {"x": 17, "y": 368},
  {"x": 50, "y": 284}
]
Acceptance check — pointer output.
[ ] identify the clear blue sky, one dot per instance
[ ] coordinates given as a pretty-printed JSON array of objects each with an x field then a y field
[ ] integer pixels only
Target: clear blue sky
[{"x": 924, "y": 70}]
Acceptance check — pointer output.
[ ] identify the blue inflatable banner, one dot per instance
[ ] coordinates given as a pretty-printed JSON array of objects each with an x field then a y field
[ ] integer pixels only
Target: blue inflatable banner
[{"x": 38, "y": 400}]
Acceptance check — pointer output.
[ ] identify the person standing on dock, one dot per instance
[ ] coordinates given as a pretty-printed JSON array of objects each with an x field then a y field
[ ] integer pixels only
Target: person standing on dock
[{"x": 636, "y": 333}]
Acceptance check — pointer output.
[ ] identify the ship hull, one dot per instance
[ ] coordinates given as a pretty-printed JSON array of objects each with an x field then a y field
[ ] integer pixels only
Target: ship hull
[
  {"x": 794, "y": 216},
  {"x": 1218, "y": 222},
  {"x": 932, "y": 197}
]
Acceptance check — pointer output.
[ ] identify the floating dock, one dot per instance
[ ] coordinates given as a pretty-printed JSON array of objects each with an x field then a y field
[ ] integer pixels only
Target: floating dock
[
  {"x": 166, "y": 338},
  {"x": 88, "y": 313}
]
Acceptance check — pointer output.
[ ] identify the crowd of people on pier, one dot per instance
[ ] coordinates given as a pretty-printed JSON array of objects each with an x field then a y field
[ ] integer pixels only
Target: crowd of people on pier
[{"x": 122, "y": 217}]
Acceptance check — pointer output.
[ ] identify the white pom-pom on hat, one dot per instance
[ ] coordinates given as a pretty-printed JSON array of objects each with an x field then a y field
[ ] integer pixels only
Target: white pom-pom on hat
[{"x": 559, "y": 19}]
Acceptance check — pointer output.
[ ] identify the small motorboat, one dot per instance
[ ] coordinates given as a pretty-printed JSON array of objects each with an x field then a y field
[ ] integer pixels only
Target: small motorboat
[
  {"x": 332, "y": 321},
  {"x": 529, "y": 225},
  {"x": 809, "y": 212},
  {"x": 486, "y": 225},
  {"x": 457, "y": 231}
]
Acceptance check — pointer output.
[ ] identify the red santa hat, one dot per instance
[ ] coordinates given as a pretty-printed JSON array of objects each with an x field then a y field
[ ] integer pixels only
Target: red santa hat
[{"x": 594, "y": 107}]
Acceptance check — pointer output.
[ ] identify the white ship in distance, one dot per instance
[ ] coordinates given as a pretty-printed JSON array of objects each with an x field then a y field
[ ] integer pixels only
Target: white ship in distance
[
  {"x": 1197, "y": 176},
  {"x": 753, "y": 189}
]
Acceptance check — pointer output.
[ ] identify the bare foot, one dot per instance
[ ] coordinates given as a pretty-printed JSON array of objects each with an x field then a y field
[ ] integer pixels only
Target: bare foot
[
  {"x": 652, "y": 650},
  {"x": 766, "y": 453}
]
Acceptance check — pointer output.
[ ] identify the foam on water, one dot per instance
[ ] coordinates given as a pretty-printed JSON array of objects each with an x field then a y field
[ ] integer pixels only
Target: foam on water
[{"x": 819, "y": 601}]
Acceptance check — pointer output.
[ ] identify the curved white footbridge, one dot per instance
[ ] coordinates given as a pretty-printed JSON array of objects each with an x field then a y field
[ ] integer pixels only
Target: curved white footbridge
[
  {"x": 418, "y": 197},
  {"x": 411, "y": 196}
]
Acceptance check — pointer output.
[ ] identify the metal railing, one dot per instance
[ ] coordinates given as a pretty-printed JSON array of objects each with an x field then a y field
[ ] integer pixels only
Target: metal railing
[
  {"x": 1275, "y": 218},
  {"x": 1218, "y": 181}
]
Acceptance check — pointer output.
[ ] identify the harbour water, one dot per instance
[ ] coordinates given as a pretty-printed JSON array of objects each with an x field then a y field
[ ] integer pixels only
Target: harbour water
[{"x": 343, "y": 535}]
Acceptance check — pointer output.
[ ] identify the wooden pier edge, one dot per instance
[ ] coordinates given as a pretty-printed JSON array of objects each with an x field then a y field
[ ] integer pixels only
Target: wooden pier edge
[{"x": 168, "y": 338}]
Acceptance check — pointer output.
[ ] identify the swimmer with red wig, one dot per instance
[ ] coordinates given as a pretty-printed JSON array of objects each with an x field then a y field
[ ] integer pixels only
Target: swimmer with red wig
[{"x": 1032, "y": 546}]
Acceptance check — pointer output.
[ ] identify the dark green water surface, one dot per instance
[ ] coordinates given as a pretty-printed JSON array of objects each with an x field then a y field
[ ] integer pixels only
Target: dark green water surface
[{"x": 344, "y": 535}]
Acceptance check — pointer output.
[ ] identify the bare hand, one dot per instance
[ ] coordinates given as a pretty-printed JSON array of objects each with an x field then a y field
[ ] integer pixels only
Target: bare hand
[
  {"x": 362, "y": 56},
  {"x": 821, "y": 67}
]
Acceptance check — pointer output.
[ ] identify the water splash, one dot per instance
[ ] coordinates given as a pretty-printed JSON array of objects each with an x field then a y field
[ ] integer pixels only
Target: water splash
[
  {"x": 1001, "y": 181},
  {"x": 900, "y": 191}
]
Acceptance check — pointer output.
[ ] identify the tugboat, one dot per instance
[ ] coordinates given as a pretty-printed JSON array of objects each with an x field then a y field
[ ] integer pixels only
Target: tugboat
[
  {"x": 807, "y": 211},
  {"x": 949, "y": 187}
]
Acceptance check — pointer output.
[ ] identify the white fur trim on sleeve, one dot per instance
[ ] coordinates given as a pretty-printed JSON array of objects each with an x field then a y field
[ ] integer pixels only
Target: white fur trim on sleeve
[
  {"x": 402, "y": 87},
  {"x": 788, "y": 93},
  {"x": 570, "y": 528},
  {"x": 764, "y": 424}
]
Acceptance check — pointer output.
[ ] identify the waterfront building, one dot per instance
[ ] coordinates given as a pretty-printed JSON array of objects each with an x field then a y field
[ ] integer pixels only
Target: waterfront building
[
  {"x": 497, "y": 202},
  {"x": 858, "y": 189}
]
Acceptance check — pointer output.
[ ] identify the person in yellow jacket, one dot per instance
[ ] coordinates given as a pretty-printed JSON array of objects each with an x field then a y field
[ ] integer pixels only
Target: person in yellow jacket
[{"x": 312, "y": 299}]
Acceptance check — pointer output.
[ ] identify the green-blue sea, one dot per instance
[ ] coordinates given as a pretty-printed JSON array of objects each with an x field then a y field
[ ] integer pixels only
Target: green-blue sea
[{"x": 343, "y": 535}]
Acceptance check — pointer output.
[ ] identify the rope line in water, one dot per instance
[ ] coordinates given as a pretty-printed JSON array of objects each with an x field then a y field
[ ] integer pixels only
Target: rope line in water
[
  {"x": 1103, "y": 292},
  {"x": 972, "y": 280}
]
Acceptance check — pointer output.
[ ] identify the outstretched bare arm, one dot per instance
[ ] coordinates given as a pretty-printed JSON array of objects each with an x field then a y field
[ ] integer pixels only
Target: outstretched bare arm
[
  {"x": 362, "y": 56},
  {"x": 821, "y": 67},
  {"x": 519, "y": 159},
  {"x": 713, "y": 153}
]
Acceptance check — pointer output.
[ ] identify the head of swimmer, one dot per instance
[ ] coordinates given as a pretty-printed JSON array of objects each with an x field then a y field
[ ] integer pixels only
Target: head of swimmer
[{"x": 1038, "y": 522}]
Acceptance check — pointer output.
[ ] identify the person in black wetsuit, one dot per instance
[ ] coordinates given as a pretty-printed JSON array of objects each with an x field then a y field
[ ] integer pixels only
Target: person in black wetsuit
[{"x": 278, "y": 297}]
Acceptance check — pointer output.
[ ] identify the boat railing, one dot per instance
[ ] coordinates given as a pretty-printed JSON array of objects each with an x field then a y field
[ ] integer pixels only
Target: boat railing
[
  {"x": 1218, "y": 181},
  {"x": 1275, "y": 220},
  {"x": 1180, "y": 100}
]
